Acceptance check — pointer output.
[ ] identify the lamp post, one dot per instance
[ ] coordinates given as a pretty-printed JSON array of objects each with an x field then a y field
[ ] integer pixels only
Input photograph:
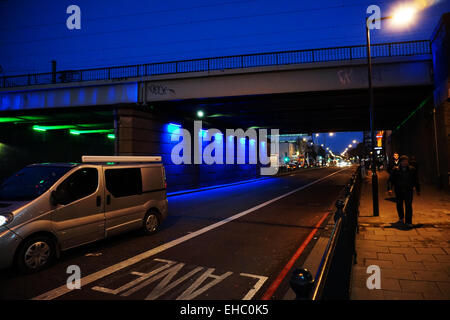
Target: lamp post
[
  {"x": 402, "y": 15},
  {"x": 376, "y": 209}
]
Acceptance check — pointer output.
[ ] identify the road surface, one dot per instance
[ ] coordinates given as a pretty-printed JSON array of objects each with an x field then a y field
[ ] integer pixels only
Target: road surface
[{"x": 228, "y": 243}]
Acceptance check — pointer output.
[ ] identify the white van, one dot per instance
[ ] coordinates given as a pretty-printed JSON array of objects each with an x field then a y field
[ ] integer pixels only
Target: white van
[{"x": 51, "y": 207}]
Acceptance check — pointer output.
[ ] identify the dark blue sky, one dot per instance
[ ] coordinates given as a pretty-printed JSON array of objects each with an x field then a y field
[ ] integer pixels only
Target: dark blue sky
[
  {"x": 32, "y": 33},
  {"x": 128, "y": 32}
]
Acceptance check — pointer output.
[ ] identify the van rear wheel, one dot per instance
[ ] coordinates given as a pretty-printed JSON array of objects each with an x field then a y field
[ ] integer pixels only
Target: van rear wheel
[
  {"x": 151, "y": 222},
  {"x": 35, "y": 254}
]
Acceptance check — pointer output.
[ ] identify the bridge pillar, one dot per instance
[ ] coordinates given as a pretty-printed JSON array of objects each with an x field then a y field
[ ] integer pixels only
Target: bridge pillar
[
  {"x": 143, "y": 133},
  {"x": 137, "y": 132}
]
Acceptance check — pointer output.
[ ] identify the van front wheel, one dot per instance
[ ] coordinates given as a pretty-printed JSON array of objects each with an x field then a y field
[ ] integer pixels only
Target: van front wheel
[
  {"x": 151, "y": 222},
  {"x": 35, "y": 254}
]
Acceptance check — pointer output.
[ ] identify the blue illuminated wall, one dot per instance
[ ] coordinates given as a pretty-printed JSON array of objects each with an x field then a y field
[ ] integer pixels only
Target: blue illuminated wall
[
  {"x": 73, "y": 96},
  {"x": 181, "y": 177},
  {"x": 141, "y": 133}
]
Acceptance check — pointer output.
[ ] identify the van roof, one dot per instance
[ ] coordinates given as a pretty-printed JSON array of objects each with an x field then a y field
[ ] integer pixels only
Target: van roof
[
  {"x": 109, "y": 164},
  {"x": 121, "y": 159}
]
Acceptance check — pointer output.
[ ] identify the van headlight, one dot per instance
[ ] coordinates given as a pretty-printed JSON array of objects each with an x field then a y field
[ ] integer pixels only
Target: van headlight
[{"x": 5, "y": 218}]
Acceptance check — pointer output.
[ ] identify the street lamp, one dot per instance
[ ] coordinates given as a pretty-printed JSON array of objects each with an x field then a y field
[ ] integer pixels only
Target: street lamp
[{"x": 402, "y": 16}]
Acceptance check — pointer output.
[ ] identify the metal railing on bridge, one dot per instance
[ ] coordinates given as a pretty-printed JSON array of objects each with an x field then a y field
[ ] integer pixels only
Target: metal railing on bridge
[
  {"x": 394, "y": 49},
  {"x": 333, "y": 277}
]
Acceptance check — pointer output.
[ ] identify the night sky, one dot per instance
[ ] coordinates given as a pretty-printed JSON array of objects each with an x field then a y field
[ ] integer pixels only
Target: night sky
[
  {"x": 32, "y": 33},
  {"x": 339, "y": 141}
]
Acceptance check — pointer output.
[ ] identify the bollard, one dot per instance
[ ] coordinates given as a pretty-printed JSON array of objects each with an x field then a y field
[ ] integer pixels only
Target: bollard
[{"x": 301, "y": 283}]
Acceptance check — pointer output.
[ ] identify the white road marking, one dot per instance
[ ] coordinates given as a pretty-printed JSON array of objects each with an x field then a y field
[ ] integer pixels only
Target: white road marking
[
  {"x": 165, "y": 285},
  {"x": 256, "y": 287},
  {"x": 193, "y": 291},
  {"x": 142, "y": 277},
  {"x": 62, "y": 290}
]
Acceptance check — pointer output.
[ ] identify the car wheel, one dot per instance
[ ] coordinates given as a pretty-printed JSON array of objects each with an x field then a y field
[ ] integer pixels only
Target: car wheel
[
  {"x": 35, "y": 254},
  {"x": 151, "y": 222}
]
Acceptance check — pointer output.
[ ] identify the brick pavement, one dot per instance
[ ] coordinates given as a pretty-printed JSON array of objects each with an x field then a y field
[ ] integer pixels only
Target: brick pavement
[{"x": 414, "y": 263}]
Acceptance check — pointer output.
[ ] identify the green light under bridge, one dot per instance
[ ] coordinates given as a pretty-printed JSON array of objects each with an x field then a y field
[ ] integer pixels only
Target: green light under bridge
[
  {"x": 46, "y": 128},
  {"x": 6, "y": 120},
  {"x": 78, "y": 132}
]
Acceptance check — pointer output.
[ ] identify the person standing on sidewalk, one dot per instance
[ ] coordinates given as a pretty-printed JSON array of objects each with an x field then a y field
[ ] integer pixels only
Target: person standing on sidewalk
[
  {"x": 393, "y": 163},
  {"x": 404, "y": 179}
]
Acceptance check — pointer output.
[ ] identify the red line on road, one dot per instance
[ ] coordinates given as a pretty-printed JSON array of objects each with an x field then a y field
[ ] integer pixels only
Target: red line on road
[{"x": 274, "y": 286}]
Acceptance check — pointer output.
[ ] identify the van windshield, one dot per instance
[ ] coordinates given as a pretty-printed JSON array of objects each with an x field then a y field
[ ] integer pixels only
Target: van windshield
[{"x": 30, "y": 182}]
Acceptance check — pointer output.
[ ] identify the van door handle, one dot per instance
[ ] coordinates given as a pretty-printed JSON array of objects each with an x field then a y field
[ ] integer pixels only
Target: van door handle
[
  {"x": 99, "y": 201},
  {"x": 108, "y": 199}
]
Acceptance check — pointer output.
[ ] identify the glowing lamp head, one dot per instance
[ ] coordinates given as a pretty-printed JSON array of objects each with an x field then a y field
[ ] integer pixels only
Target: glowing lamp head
[
  {"x": 200, "y": 113},
  {"x": 404, "y": 15}
]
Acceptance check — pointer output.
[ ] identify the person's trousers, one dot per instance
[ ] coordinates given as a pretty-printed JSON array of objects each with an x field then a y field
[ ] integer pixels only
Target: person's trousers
[{"x": 404, "y": 198}]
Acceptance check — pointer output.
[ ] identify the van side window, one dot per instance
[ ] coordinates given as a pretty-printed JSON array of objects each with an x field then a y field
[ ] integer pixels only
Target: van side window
[
  {"x": 79, "y": 184},
  {"x": 124, "y": 182}
]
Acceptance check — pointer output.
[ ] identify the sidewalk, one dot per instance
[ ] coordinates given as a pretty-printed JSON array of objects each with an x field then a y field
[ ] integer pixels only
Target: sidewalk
[{"x": 415, "y": 263}]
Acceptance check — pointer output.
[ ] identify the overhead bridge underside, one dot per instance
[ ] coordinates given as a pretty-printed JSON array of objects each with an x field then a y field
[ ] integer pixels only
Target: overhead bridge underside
[{"x": 307, "y": 96}]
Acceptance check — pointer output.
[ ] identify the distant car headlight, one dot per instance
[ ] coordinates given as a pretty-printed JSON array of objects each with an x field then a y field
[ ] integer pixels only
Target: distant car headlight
[{"x": 6, "y": 218}]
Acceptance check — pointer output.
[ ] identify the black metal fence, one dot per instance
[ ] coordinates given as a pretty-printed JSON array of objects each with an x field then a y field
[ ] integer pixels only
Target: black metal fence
[
  {"x": 393, "y": 49},
  {"x": 333, "y": 277}
]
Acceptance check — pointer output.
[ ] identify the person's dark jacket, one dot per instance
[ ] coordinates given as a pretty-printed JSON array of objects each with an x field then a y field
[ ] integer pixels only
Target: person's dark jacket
[
  {"x": 393, "y": 164},
  {"x": 404, "y": 180}
]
